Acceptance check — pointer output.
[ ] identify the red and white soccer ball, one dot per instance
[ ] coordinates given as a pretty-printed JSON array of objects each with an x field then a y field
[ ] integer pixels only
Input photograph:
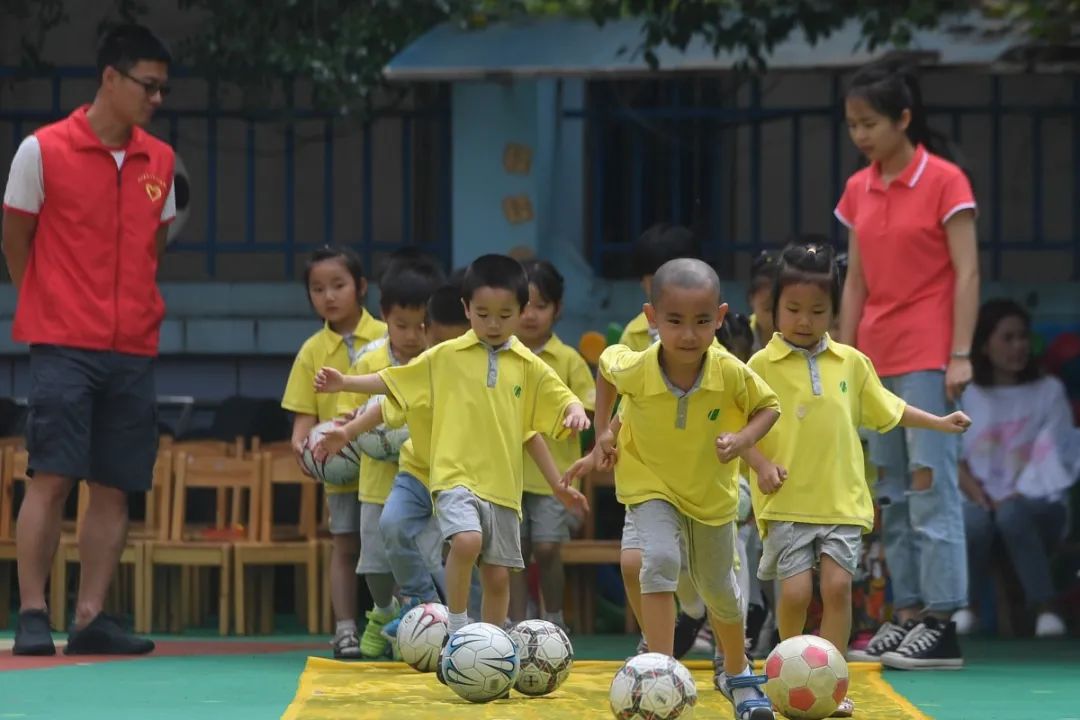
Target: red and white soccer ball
[
  {"x": 808, "y": 677},
  {"x": 420, "y": 636}
]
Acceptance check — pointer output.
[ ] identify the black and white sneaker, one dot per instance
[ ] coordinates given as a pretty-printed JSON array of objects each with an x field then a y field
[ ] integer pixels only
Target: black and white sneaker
[
  {"x": 931, "y": 645},
  {"x": 887, "y": 639}
]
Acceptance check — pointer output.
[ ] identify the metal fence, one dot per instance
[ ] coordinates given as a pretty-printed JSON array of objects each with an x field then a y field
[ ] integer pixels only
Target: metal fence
[
  {"x": 664, "y": 149},
  {"x": 423, "y": 195}
]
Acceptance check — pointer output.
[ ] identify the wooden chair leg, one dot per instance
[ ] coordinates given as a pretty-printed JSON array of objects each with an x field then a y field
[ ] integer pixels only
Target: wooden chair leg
[
  {"x": 148, "y": 590},
  {"x": 313, "y": 590},
  {"x": 266, "y": 600},
  {"x": 5, "y": 594},
  {"x": 240, "y": 597},
  {"x": 138, "y": 589},
  {"x": 225, "y": 592},
  {"x": 176, "y": 599},
  {"x": 58, "y": 590}
]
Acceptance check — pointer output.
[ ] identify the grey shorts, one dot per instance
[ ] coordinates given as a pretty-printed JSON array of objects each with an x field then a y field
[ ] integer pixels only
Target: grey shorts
[
  {"x": 544, "y": 519},
  {"x": 459, "y": 510},
  {"x": 670, "y": 540},
  {"x": 790, "y": 548},
  {"x": 373, "y": 557},
  {"x": 93, "y": 416},
  {"x": 344, "y": 513},
  {"x": 630, "y": 538}
]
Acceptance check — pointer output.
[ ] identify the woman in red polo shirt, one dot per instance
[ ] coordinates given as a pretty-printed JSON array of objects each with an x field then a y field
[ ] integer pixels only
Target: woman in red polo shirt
[{"x": 910, "y": 301}]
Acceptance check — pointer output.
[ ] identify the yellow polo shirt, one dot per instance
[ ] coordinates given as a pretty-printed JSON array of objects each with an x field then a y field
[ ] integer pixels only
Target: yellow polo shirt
[
  {"x": 826, "y": 395},
  {"x": 575, "y": 374},
  {"x": 637, "y": 335},
  {"x": 325, "y": 348},
  {"x": 376, "y": 476},
  {"x": 484, "y": 401},
  {"x": 667, "y": 447}
]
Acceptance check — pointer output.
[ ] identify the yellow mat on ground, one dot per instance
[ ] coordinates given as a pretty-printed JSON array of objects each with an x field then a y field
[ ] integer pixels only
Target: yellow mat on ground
[{"x": 331, "y": 690}]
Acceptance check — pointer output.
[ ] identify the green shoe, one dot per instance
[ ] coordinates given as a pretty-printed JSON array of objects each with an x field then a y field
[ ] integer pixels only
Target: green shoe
[{"x": 372, "y": 642}]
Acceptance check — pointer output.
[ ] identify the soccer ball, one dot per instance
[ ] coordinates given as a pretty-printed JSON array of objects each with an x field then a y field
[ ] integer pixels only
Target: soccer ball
[
  {"x": 808, "y": 677},
  {"x": 480, "y": 663},
  {"x": 546, "y": 656},
  {"x": 340, "y": 469},
  {"x": 652, "y": 686},
  {"x": 420, "y": 636},
  {"x": 382, "y": 443}
]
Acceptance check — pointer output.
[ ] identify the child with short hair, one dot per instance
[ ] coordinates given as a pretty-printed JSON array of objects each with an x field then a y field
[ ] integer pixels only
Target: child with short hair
[
  {"x": 759, "y": 296},
  {"x": 404, "y": 299},
  {"x": 811, "y": 499},
  {"x": 484, "y": 386},
  {"x": 690, "y": 410},
  {"x": 545, "y": 521},
  {"x": 336, "y": 288}
]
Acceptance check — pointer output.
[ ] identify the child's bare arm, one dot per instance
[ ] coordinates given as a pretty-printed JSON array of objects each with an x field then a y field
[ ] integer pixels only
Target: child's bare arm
[
  {"x": 334, "y": 440},
  {"x": 301, "y": 428},
  {"x": 538, "y": 451},
  {"x": 956, "y": 422},
  {"x": 330, "y": 380},
  {"x": 731, "y": 445}
]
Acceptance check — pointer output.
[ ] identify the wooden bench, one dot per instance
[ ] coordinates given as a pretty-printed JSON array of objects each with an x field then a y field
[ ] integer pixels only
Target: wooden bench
[{"x": 580, "y": 557}]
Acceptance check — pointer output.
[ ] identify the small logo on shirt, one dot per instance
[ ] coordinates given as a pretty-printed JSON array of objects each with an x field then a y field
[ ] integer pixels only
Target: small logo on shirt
[
  {"x": 517, "y": 391},
  {"x": 843, "y": 386},
  {"x": 714, "y": 413},
  {"x": 154, "y": 186}
]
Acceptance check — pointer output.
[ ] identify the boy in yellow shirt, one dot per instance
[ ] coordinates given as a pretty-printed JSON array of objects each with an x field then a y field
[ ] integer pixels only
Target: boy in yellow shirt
[
  {"x": 486, "y": 393},
  {"x": 406, "y": 288},
  {"x": 336, "y": 288},
  {"x": 689, "y": 410},
  {"x": 811, "y": 499}
]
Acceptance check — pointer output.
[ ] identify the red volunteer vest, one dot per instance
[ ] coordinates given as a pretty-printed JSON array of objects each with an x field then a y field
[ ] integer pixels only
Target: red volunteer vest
[{"x": 90, "y": 281}]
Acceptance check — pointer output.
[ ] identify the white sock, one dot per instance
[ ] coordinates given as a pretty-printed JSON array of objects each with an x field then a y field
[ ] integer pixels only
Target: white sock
[
  {"x": 695, "y": 609},
  {"x": 747, "y": 693},
  {"x": 457, "y": 621},
  {"x": 344, "y": 627},
  {"x": 555, "y": 617}
]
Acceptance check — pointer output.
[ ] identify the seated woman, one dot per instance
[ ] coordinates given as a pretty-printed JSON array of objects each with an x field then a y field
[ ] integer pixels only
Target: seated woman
[{"x": 1019, "y": 458}]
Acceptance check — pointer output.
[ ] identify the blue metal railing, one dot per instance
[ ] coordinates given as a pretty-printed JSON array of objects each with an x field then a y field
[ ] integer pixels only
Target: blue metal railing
[
  {"x": 617, "y": 214},
  {"x": 209, "y": 242}
]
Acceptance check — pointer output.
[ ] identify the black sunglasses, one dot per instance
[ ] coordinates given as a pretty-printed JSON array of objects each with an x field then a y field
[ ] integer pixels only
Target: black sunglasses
[{"x": 150, "y": 87}]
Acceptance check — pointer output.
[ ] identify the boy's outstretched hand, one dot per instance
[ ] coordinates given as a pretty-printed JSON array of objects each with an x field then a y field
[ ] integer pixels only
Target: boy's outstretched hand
[
  {"x": 329, "y": 380},
  {"x": 331, "y": 443},
  {"x": 572, "y": 499},
  {"x": 956, "y": 422},
  {"x": 576, "y": 419},
  {"x": 579, "y": 469}
]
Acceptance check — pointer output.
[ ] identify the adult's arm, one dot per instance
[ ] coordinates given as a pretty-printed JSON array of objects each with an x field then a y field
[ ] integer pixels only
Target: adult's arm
[
  {"x": 854, "y": 298},
  {"x": 18, "y": 233},
  {"x": 964, "y": 251}
]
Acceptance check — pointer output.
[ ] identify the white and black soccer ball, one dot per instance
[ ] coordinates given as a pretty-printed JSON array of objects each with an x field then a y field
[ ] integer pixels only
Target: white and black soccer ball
[
  {"x": 420, "y": 636},
  {"x": 546, "y": 657},
  {"x": 652, "y": 686},
  {"x": 340, "y": 469},
  {"x": 480, "y": 663},
  {"x": 381, "y": 443}
]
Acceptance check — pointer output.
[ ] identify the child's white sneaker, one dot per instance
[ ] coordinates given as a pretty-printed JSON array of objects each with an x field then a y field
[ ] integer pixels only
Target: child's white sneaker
[
  {"x": 1049, "y": 625},
  {"x": 966, "y": 621}
]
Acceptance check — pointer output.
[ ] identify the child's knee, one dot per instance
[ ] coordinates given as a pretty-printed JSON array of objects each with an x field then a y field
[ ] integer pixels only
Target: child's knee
[
  {"x": 546, "y": 553},
  {"x": 660, "y": 568},
  {"x": 723, "y": 599},
  {"x": 468, "y": 543}
]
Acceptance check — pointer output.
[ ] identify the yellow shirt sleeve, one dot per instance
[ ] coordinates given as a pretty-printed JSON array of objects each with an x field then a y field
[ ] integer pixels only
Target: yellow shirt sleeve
[
  {"x": 299, "y": 394},
  {"x": 756, "y": 395},
  {"x": 550, "y": 401},
  {"x": 411, "y": 384},
  {"x": 392, "y": 412},
  {"x": 581, "y": 381},
  {"x": 879, "y": 409},
  {"x": 621, "y": 367}
]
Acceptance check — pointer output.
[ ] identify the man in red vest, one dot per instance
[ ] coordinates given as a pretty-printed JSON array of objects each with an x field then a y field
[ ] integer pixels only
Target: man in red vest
[{"x": 86, "y": 213}]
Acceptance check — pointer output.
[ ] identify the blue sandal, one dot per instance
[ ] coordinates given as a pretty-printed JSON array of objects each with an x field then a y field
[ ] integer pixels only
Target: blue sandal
[{"x": 759, "y": 708}]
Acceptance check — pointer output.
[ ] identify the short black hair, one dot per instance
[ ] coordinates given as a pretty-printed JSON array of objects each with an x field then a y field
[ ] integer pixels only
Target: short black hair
[
  {"x": 762, "y": 271},
  {"x": 444, "y": 306},
  {"x": 412, "y": 256},
  {"x": 352, "y": 262},
  {"x": 408, "y": 286},
  {"x": 736, "y": 335},
  {"x": 125, "y": 45},
  {"x": 457, "y": 276},
  {"x": 991, "y": 313},
  {"x": 659, "y": 244},
  {"x": 496, "y": 271},
  {"x": 685, "y": 273},
  {"x": 808, "y": 263},
  {"x": 547, "y": 279}
]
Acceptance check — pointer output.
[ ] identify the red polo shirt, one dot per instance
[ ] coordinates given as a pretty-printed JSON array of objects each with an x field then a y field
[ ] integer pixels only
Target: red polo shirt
[
  {"x": 90, "y": 280},
  {"x": 907, "y": 321}
]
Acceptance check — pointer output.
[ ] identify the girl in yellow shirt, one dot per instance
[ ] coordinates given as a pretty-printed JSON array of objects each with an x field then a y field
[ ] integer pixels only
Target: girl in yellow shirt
[{"x": 811, "y": 499}]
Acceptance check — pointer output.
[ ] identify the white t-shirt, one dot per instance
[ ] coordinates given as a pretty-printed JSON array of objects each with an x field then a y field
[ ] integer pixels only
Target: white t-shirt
[
  {"x": 25, "y": 190},
  {"x": 1022, "y": 439}
]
